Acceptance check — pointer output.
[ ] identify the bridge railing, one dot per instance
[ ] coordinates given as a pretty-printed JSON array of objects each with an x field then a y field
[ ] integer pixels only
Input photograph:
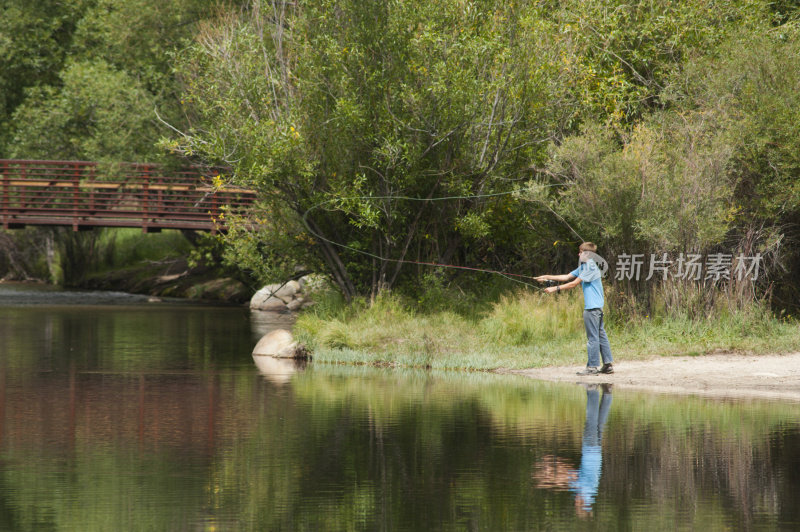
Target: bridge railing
[{"x": 85, "y": 194}]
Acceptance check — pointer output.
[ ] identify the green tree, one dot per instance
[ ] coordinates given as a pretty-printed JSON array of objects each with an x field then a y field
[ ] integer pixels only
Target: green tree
[
  {"x": 665, "y": 187},
  {"x": 620, "y": 55},
  {"x": 106, "y": 80},
  {"x": 750, "y": 81},
  {"x": 99, "y": 113},
  {"x": 715, "y": 169},
  {"x": 358, "y": 116},
  {"x": 35, "y": 39}
]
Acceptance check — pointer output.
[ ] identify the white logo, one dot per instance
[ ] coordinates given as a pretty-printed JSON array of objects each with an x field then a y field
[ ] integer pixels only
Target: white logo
[{"x": 601, "y": 263}]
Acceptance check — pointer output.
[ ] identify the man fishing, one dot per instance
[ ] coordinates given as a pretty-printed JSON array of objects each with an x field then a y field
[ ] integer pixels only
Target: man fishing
[{"x": 589, "y": 276}]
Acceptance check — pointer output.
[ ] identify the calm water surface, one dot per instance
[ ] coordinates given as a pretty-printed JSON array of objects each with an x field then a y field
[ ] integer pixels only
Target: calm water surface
[{"x": 118, "y": 414}]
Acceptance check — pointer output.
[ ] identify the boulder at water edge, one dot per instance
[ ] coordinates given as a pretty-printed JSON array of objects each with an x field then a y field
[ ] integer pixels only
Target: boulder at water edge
[
  {"x": 275, "y": 297},
  {"x": 278, "y": 343}
]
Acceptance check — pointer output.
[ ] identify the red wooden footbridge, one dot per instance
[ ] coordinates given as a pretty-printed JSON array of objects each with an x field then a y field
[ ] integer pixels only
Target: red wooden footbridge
[{"x": 83, "y": 195}]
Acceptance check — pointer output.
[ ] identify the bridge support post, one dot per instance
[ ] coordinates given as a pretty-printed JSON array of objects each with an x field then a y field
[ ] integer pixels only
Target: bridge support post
[
  {"x": 145, "y": 197},
  {"x": 5, "y": 195},
  {"x": 76, "y": 180}
]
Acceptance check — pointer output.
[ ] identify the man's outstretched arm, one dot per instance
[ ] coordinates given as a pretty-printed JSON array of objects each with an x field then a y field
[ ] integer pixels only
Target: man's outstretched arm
[
  {"x": 575, "y": 281},
  {"x": 560, "y": 278}
]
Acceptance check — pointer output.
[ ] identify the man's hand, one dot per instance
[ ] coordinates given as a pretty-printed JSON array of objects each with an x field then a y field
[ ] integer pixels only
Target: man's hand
[
  {"x": 551, "y": 289},
  {"x": 542, "y": 278}
]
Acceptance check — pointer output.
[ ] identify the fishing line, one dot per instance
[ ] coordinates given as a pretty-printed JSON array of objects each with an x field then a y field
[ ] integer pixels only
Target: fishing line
[{"x": 515, "y": 277}]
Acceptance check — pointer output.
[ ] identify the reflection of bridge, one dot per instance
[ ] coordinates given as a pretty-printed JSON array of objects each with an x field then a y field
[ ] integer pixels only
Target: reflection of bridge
[{"x": 82, "y": 195}]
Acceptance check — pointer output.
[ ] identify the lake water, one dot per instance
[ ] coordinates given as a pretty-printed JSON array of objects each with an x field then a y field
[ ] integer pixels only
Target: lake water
[{"x": 117, "y": 414}]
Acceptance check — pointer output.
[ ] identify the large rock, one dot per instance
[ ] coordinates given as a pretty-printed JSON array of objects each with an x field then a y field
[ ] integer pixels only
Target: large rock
[
  {"x": 275, "y": 296},
  {"x": 296, "y": 304},
  {"x": 272, "y": 304},
  {"x": 278, "y": 343},
  {"x": 289, "y": 297}
]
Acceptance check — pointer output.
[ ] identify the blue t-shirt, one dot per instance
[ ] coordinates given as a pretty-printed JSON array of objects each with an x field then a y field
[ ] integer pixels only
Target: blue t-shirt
[{"x": 591, "y": 283}]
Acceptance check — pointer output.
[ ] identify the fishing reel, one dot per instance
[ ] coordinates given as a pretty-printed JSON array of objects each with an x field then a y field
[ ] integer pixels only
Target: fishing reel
[{"x": 550, "y": 283}]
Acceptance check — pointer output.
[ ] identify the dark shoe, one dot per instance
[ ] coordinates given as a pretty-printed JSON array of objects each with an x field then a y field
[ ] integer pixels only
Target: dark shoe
[
  {"x": 589, "y": 371},
  {"x": 607, "y": 368}
]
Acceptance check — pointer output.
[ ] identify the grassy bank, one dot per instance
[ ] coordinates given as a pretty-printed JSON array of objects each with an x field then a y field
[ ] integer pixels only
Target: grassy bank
[{"x": 525, "y": 330}]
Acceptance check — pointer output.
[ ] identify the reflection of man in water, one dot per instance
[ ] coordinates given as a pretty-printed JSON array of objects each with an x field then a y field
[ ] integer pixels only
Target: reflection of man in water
[
  {"x": 556, "y": 473},
  {"x": 585, "y": 486}
]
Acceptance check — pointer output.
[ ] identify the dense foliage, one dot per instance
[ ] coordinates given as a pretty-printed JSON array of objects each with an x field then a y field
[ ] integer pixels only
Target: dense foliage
[
  {"x": 472, "y": 133},
  {"x": 648, "y": 128}
]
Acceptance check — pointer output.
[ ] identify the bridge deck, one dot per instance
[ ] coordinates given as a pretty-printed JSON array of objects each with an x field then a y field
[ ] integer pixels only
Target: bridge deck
[{"x": 84, "y": 194}]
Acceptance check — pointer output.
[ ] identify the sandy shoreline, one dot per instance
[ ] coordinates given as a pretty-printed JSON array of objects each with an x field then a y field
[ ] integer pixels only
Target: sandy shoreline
[{"x": 717, "y": 375}]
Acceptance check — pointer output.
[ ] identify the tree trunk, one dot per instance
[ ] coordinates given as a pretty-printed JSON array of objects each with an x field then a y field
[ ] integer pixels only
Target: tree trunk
[
  {"x": 50, "y": 256},
  {"x": 334, "y": 263}
]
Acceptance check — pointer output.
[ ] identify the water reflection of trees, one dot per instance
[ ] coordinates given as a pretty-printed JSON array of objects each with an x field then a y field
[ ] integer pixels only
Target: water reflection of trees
[
  {"x": 675, "y": 459},
  {"x": 141, "y": 338},
  {"x": 454, "y": 446},
  {"x": 727, "y": 474},
  {"x": 365, "y": 449}
]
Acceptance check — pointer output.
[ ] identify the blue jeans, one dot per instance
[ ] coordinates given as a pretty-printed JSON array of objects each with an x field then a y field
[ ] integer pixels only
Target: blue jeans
[{"x": 597, "y": 341}]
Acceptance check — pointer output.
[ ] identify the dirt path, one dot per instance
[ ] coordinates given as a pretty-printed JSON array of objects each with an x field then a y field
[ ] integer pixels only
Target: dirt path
[{"x": 719, "y": 375}]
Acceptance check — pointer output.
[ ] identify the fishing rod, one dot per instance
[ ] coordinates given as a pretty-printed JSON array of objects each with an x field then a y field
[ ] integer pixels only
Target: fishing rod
[{"x": 515, "y": 277}]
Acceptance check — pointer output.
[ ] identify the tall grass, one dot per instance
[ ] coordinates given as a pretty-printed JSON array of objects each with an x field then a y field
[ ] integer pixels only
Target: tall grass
[
  {"x": 522, "y": 331},
  {"x": 532, "y": 318},
  {"x": 526, "y": 329}
]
